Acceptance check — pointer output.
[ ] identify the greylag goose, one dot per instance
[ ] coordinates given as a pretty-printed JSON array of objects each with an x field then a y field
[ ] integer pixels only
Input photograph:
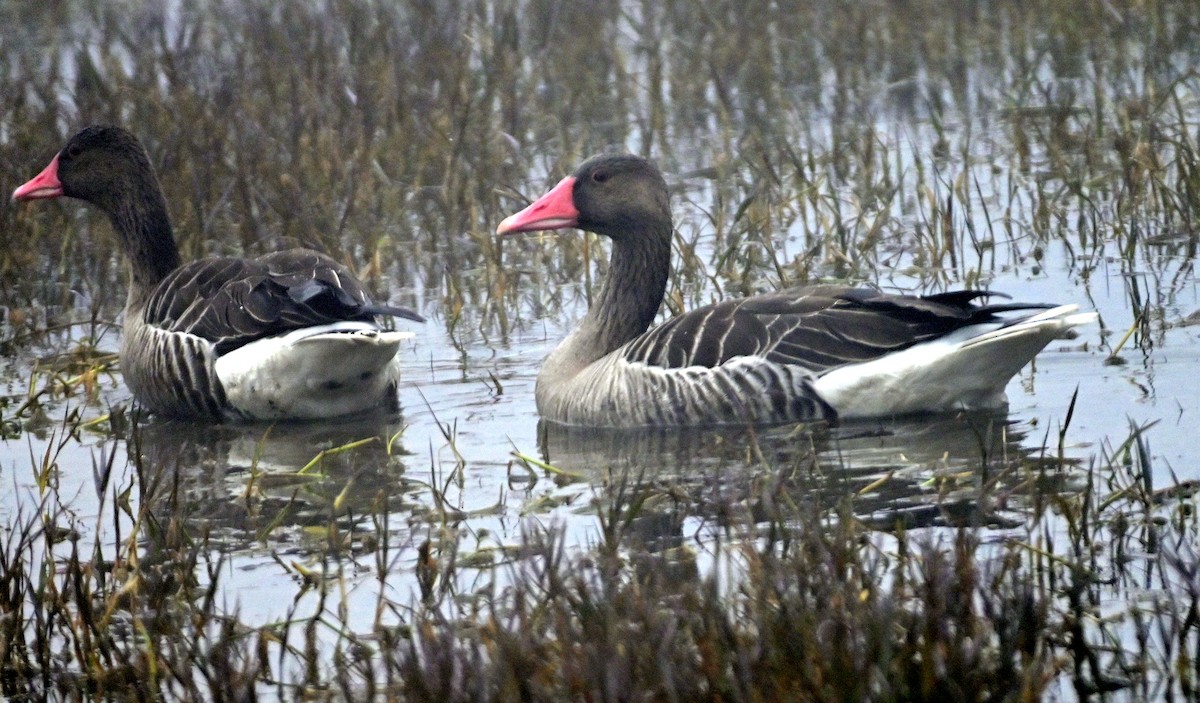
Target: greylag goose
[
  {"x": 820, "y": 352},
  {"x": 289, "y": 335}
]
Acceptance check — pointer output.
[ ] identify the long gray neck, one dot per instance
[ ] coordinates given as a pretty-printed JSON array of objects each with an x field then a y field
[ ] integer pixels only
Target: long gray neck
[
  {"x": 627, "y": 304},
  {"x": 139, "y": 215}
]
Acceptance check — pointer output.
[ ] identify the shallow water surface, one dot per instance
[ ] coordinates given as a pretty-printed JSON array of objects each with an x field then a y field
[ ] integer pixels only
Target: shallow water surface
[{"x": 267, "y": 498}]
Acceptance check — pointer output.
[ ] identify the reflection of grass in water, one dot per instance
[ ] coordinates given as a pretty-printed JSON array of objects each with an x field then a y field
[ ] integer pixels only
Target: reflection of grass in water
[{"x": 781, "y": 598}]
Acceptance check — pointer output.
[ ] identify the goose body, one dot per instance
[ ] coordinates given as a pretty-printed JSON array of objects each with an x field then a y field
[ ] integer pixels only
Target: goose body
[
  {"x": 288, "y": 335},
  {"x": 819, "y": 352}
]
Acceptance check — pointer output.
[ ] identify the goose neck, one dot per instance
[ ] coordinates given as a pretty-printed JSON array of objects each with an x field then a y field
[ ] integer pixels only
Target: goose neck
[
  {"x": 629, "y": 298},
  {"x": 144, "y": 227}
]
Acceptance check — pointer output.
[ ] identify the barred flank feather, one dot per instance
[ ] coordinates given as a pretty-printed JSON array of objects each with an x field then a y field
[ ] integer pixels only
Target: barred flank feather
[{"x": 172, "y": 373}]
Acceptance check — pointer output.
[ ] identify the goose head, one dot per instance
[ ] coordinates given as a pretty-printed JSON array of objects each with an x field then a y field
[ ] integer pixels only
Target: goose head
[
  {"x": 109, "y": 168},
  {"x": 620, "y": 197},
  {"x": 100, "y": 165}
]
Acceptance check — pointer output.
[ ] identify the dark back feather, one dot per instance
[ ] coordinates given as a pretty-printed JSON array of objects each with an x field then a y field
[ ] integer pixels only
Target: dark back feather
[
  {"x": 232, "y": 302},
  {"x": 817, "y": 328}
]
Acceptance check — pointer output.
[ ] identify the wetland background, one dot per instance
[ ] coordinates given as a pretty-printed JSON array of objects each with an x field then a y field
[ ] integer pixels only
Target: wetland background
[{"x": 1044, "y": 149}]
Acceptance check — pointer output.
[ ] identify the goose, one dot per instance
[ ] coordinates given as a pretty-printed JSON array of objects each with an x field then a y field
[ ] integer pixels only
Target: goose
[
  {"x": 291, "y": 335},
  {"x": 823, "y": 352}
]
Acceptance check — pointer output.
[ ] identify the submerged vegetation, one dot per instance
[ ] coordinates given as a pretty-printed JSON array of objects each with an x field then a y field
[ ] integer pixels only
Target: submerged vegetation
[{"x": 1048, "y": 145}]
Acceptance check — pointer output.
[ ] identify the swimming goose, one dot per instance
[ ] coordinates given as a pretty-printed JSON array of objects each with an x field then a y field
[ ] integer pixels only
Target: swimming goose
[
  {"x": 288, "y": 335},
  {"x": 820, "y": 352}
]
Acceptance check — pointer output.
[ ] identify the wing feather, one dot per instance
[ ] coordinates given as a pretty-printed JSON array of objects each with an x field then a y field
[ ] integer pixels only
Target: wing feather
[
  {"x": 817, "y": 328},
  {"x": 232, "y": 302}
]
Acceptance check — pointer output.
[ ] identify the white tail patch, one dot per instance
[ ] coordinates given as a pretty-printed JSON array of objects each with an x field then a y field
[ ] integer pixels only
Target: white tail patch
[
  {"x": 968, "y": 368},
  {"x": 315, "y": 372}
]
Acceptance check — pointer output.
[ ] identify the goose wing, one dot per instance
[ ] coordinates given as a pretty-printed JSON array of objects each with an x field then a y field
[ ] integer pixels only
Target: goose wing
[
  {"x": 232, "y": 302},
  {"x": 818, "y": 328}
]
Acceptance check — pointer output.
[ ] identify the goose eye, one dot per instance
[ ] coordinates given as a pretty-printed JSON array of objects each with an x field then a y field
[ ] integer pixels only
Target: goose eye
[
  {"x": 600, "y": 176},
  {"x": 73, "y": 150}
]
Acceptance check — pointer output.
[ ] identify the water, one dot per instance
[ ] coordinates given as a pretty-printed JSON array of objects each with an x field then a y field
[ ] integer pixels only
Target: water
[
  {"x": 241, "y": 487},
  {"x": 458, "y": 436}
]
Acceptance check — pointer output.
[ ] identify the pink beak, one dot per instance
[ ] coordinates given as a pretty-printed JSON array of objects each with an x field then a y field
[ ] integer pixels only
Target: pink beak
[
  {"x": 43, "y": 185},
  {"x": 554, "y": 210}
]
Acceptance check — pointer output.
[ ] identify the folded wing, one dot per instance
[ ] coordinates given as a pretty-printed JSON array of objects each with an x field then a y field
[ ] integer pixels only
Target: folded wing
[
  {"x": 818, "y": 328},
  {"x": 232, "y": 302}
]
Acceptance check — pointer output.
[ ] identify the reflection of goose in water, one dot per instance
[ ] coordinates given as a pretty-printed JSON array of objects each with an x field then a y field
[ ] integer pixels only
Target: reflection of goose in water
[
  {"x": 247, "y": 477},
  {"x": 919, "y": 471}
]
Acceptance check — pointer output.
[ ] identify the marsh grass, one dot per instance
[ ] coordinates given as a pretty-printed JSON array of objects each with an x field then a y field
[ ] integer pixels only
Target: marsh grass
[
  {"x": 694, "y": 589},
  {"x": 918, "y": 145},
  {"x": 395, "y": 136}
]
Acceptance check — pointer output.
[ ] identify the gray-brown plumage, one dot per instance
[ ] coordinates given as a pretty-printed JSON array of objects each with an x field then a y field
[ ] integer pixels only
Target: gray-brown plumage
[
  {"x": 818, "y": 352},
  {"x": 291, "y": 334}
]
